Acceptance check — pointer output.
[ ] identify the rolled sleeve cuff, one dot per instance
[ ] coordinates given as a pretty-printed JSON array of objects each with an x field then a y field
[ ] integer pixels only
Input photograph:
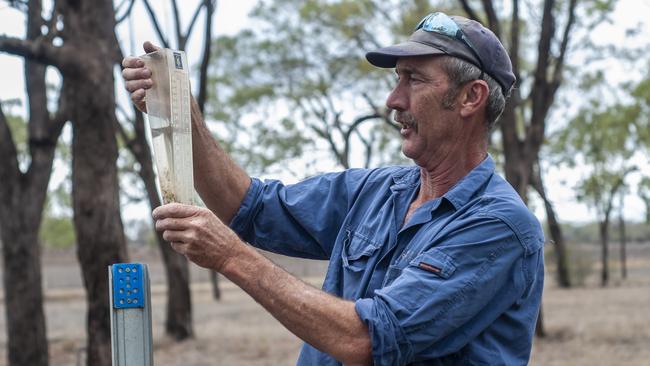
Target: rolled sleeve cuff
[
  {"x": 390, "y": 345},
  {"x": 244, "y": 217}
]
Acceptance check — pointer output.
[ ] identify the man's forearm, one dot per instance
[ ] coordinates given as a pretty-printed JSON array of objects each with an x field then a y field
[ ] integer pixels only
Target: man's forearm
[
  {"x": 328, "y": 323},
  {"x": 218, "y": 180}
]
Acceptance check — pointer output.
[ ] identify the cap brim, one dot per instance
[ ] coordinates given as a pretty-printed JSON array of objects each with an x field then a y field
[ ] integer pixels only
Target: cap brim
[{"x": 387, "y": 57}]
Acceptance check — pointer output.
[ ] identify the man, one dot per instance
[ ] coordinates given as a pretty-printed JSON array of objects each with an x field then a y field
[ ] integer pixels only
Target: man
[{"x": 436, "y": 264}]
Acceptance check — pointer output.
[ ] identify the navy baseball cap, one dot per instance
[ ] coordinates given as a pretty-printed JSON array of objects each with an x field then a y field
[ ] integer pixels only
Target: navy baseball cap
[{"x": 456, "y": 36}]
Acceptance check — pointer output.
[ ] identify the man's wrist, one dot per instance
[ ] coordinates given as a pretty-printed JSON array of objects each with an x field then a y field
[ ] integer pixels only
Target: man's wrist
[{"x": 241, "y": 254}]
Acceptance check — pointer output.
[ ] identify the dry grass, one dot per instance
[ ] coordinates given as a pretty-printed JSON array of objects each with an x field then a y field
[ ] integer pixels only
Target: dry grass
[{"x": 586, "y": 326}]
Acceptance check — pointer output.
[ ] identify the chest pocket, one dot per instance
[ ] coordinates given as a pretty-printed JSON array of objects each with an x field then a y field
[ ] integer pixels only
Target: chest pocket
[
  {"x": 421, "y": 279},
  {"x": 357, "y": 249}
]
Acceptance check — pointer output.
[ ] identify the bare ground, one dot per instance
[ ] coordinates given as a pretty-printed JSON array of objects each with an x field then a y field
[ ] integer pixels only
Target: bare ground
[{"x": 589, "y": 325}]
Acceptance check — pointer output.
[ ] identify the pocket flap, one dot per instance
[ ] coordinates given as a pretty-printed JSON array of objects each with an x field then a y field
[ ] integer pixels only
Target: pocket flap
[
  {"x": 436, "y": 262},
  {"x": 359, "y": 246}
]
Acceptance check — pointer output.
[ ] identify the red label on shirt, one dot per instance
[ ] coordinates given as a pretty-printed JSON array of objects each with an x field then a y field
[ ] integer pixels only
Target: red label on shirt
[{"x": 428, "y": 267}]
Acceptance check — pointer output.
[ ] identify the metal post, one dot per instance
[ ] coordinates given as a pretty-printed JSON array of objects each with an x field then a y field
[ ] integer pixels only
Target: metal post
[{"x": 130, "y": 299}]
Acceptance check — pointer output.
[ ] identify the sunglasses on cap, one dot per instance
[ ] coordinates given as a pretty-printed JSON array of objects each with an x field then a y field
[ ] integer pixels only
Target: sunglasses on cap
[{"x": 441, "y": 23}]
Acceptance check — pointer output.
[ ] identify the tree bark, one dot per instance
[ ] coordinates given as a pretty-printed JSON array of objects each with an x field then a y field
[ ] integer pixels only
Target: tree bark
[
  {"x": 95, "y": 189},
  {"x": 623, "y": 240},
  {"x": 20, "y": 218},
  {"x": 23, "y": 197},
  {"x": 26, "y": 335},
  {"x": 559, "y": 244},
  {"x": 604, "y": 243}
]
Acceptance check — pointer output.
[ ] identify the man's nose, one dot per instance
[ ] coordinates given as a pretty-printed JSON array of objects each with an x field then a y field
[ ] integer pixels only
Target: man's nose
[{"x": 398, "y": 98}]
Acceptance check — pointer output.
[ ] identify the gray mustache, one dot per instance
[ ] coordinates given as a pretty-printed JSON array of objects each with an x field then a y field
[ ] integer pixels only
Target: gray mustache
[{"x": 406, "y": 119}]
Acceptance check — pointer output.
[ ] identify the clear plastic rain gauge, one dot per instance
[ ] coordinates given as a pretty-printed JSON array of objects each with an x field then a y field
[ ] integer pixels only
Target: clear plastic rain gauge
[{"x": 168, "y": 115}]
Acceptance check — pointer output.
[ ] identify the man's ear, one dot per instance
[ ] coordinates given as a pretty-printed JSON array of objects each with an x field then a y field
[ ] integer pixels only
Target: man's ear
[{"x": 473, "y": 97}]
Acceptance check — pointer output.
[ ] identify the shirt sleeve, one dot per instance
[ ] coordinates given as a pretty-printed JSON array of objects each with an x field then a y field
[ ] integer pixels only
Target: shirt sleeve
[
  {"x": 300, "y": 220},
  {"x": 448, "y": 294}
]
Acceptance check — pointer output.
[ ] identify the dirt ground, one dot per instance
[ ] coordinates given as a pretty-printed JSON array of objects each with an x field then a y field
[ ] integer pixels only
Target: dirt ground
[{"x": 589, "y": 325}]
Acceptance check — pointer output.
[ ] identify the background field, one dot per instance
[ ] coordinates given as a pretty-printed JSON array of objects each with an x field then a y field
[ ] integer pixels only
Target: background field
[{"x": 588, "y": 325}]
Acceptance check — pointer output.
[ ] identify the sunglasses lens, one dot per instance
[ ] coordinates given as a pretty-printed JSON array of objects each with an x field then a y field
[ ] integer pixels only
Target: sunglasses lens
[{"x": 439, "y": 23}]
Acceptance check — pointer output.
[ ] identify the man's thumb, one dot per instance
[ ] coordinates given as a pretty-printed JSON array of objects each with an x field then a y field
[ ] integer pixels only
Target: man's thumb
[{"x": 149, "y": 47}]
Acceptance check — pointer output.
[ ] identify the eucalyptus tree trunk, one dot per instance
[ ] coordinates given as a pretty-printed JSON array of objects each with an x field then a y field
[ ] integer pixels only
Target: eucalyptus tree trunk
[
  {"x": 95, "y": 189},
  {"x": 85, "y": 60},
  {"x": 603, "y": 228},
  {"x": 23, "y": 196},
  {"x": 623, "y": 240},
  {"x": 559, "y": 244}
]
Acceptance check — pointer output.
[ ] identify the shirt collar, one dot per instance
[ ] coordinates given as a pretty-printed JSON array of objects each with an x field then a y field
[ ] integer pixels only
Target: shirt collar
[
  {"x": 460, "y": 193},
  {"x": 405, "y": 178},
  {"x": 464, "y": 189}
]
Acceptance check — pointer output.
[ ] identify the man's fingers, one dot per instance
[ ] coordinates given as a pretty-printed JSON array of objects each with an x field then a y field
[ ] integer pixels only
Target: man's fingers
[
  {"x": 171, "y": 224},
  {"x": 136, "y": 73},
  {"x": 178, "y": 246},
  {"x": 174, "y": 210},
  {"x": 133, "y": 85},
  {"x": 149, "y": 47},
  {"x": 138, "y": 98},
  {"x": 132, "y": 62}
]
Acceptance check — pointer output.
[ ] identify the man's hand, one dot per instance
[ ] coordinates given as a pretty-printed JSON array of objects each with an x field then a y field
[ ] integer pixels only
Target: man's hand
[
  {"x": 137, "y": 77},
  {"x": 198, "y": 234}
]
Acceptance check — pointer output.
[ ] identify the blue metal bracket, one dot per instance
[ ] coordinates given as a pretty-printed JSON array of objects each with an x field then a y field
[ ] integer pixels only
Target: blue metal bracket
[
  {"x": 128, "y": 285},
  {"x": 130, "y": 296}
]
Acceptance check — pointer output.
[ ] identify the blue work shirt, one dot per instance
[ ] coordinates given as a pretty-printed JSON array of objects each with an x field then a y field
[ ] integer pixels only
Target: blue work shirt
[{"x": 459, "y": 283}]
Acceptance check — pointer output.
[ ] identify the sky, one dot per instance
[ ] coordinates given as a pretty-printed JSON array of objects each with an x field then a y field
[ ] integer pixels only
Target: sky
[{"x": 232, "y": 15}]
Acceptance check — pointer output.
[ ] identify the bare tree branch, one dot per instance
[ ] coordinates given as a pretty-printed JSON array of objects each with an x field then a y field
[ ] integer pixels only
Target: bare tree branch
[
  {"x": 52, "y": 30},
  {"x": 357, "y": 122},
  {"x": 177, "y": 25},
  {"x": 123, "y": 135},
  {"x": 43, "y": 52},
  {"x": 207, "y": 53},
  {"x": 21, "y": 5},
  {"x": 469, "y": 11},
  {"x": 514, "y": 49},
  {"x": 126, "y": 14},
  {"x": 9, "y": 155},
  {"x": 384, "y": 113},
  {"x": 559, "y": 62},
  {"x": 541, "y": 96},
  {"x": 493, "y": 19},
  {"x": 154, "y": 20},
  {"x": 208, "y": 7}
]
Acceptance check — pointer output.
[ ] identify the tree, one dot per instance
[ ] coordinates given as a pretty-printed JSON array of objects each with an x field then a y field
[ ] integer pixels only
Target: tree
[
  {"x": 298, "y": 84},
  {"x": 604, "y": 139},
  {"x": 621, "y": 231},
  {"x": 23, "y": 193},
  {"x": 78, "y": 39}
]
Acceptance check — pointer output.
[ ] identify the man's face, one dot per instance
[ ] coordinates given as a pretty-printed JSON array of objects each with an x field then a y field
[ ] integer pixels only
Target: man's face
[{"x": 429, "y": 130}]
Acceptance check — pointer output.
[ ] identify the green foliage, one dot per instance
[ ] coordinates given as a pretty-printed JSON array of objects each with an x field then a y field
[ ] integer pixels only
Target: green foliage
[
  {"x": 298, "y": 81},
  {"x": 57, "y": 232},
  {"x": 604, "y": 138}
]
